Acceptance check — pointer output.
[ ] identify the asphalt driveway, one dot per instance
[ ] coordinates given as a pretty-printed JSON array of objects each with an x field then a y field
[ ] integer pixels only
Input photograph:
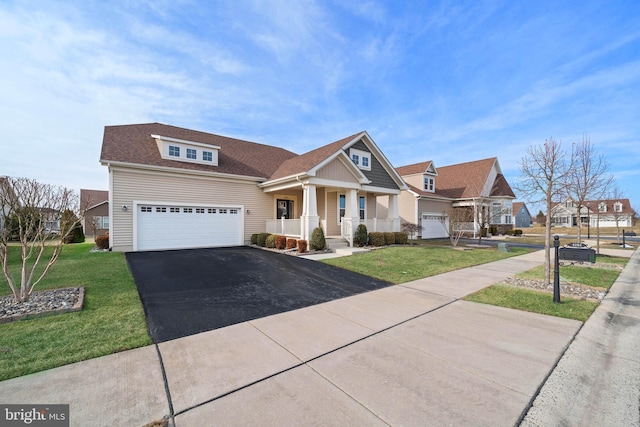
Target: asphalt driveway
[{"x": 185, "y": 292}]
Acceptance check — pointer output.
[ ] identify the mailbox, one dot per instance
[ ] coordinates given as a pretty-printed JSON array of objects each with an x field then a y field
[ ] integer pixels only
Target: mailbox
[{"x": 577, "y": 254}]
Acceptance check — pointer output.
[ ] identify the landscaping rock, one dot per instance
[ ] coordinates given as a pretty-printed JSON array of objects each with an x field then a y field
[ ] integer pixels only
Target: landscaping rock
[{"x": 41, "y": 303}]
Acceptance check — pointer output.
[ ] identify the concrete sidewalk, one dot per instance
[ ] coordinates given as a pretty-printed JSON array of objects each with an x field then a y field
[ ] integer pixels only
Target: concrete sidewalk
[
  {"x": 597, "y": 381},
  {"x": 412, "y": 354}
]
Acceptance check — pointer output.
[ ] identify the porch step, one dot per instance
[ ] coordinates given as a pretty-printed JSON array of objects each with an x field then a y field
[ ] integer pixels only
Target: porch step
[{"x": 341, "y": 247}]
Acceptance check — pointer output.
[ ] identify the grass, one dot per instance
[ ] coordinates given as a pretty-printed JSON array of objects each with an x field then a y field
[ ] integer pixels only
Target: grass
[
  {"x": 601, "y": 275},
  {"x": 112, "y": 319},
  {"x": 595, "y": 276},
  {"x": 399, "y": 264},
  {"x": 535, "y": 302}
]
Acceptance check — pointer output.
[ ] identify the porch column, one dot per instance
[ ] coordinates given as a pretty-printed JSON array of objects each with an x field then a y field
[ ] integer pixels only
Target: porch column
[
  {"x": 310, "y": 218},
  {"x": 392, "y": 212},
  {"x": 352, "y": 210}
]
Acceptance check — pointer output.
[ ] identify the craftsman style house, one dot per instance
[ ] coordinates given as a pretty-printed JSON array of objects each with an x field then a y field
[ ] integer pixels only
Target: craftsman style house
[
  {"x": 172, "y": 188},
  {"x": 478, "y": 187}
]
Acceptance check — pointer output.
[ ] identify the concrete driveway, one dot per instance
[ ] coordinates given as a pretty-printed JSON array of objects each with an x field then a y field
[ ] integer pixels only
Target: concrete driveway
[{"x": 185, "y": 292}]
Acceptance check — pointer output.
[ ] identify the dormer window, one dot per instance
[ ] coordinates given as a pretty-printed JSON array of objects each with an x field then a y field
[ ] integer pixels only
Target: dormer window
[
  {"x": 187, "y": 151},
  {"x": 429, "y": 184},
  {"x": 362, "y": 159},
  {"x": 617, "y": 207},
  {"x": 602, "y": 207}
]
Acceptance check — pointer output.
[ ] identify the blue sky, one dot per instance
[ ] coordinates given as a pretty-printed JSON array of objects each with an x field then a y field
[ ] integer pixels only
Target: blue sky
[{"x": 444, "y": 81}]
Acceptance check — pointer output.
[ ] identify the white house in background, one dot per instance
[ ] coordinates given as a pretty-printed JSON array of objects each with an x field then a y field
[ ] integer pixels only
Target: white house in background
[
  {"x": 432, "y": 192},
  {"x": 602, "y": 213},
  {"x": 172, "y": 188},
  {"x": 521, "y": 215}
]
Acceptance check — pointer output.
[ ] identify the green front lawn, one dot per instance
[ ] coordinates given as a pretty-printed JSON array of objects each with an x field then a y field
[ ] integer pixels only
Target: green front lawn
[
  {"x": 399, "y": 264},
  {"x": 112, "y": 319},
  {"x": 535, "y": 302},
  {"x": 601, "y": 275}
]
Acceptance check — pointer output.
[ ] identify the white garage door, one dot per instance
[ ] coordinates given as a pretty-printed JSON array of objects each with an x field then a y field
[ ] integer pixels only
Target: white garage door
[
  {"x": 434, "y": 226},
  {"x": 178, "y": 227}
]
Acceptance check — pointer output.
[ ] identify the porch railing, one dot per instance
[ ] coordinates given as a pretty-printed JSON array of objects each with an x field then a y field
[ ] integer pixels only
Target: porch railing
[
  {"x": 285, "y": 227},
  {"x": 380, "y": 225},
  {"x": 346, "y": 230}
]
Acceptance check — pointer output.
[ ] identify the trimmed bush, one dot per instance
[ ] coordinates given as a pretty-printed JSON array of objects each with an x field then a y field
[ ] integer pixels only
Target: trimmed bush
[
  {"x": 281, "y": 242},
  {"x": 401, "y": 238},
  {"x": 302, "y": 246},
  {"x": 270, "y": 241},
  {"x": 516, "y": 232},
  {"x": 376, "y": 238},
  {"x": 318, "y": 242},
  {"x": 389, "y": 238},
  {"x": 254, "y": 239},
  {"x": 361, "y": 236},
  {"x": 262, "y": 239},
  {"x": 102, "y": 241},
  {"x": 291, "y": 243}
]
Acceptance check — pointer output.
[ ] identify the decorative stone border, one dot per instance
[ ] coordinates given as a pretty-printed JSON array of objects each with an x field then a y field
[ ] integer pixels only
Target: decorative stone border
[{"x": 79, "y": 305}]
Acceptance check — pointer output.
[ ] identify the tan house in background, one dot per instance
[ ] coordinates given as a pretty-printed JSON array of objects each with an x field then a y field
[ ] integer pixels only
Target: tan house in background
[
  {"x": 95, "y": 203},
  {"x": 479, "y": 186},
  {"x": 171, "y": 188}
]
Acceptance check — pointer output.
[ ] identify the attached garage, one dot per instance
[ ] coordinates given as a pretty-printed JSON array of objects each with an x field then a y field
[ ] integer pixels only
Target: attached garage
[
  {"x": 162, "y": 226},
  {"x": 434, "y": 226}
]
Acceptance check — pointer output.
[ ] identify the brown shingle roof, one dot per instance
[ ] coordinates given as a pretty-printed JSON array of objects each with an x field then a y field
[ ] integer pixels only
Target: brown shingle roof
[
  {"x": 134, "y": 144},
  {"x": 414, "y": 168},
  {"x": 460, "y": 181},
  {"x": 516, "y": 206},
  {"x": 501, "y": 187},
  {"x": 89, "y": 198},
  {"x": 306, "y": 161},
  {"x": 464, "y": 180}
]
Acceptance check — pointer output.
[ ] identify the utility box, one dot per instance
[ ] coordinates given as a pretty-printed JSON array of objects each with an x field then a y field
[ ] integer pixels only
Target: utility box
[{"x": 577, "y": 254}]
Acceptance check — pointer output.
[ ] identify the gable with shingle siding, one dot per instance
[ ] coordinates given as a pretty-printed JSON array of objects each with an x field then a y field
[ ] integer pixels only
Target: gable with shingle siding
[{"x": 378, "y": 176}]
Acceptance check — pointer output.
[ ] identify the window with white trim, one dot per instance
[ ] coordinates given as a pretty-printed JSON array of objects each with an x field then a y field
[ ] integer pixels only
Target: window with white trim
[
  {"x": 199, "y": 210},
  {"x": 342, "y": 207},
  {"x": 145, "y": 209},
  {"x": 192, "y": 153},
  {"x": 174, "y": 210},
  {"x": 362, "y": 205},
  {"x": 187, "y": 210},
  {"x": 174, "y": 151},
  {"x": 211, "y": 210},
  {"x": 233, "y": 211},
  {"x": 429, "y": 184},
  {"x": 602, "y": 207},
  {"x": 362, "y": 159},
  {"x": 207, "y": 156},
  {"x": 161, "y": 209},
  {"x": 617, "y": 207}
]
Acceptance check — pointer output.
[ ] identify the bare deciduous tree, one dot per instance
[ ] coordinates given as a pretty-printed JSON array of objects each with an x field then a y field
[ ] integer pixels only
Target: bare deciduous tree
[
  {"x": 30, "y": 210},
  {"x": 588, "y": 178},
  {"x": 458, "y": 219},
  {"x": 544, "y": 170}
]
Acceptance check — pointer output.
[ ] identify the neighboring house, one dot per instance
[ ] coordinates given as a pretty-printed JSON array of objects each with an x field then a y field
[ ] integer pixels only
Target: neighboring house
[
  {"x": 594, "y": 213},
  {"x": 172, "y": 188},
  {"x": 95, "y": 204},
  {"x": 521, "y": 215},
  {"x": 478, "y": 186}
]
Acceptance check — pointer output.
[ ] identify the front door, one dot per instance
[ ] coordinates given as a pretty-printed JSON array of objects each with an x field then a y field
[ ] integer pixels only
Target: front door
[{"x": 284, "y": 209}]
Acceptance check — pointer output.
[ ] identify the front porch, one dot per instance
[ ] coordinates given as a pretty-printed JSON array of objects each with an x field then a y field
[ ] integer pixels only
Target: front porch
[{"x": 295, "y": 227}]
